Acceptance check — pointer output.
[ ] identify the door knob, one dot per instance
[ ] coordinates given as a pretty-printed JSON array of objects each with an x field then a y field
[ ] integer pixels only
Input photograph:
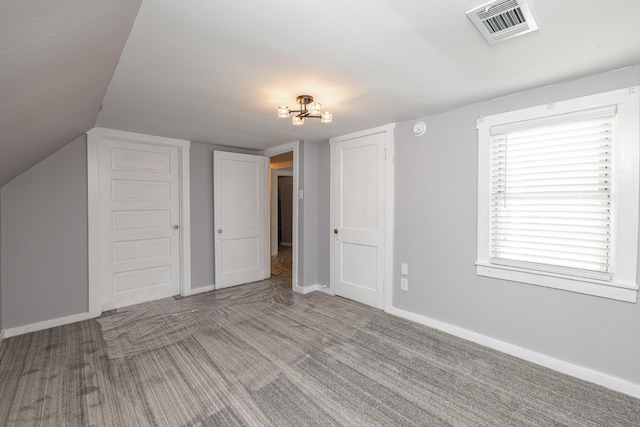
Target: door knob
[
  {"x": 335, "y": 231},
  {"x": 219, "y": 230},
  {"x": 175, "y": 227}
]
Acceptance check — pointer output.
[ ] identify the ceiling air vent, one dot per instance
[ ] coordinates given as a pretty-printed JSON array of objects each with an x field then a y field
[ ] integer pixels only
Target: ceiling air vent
[{"x": 500, "y": 20}]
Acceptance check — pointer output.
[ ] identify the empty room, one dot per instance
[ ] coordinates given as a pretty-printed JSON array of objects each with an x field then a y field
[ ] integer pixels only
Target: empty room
[{"x": 382, "y": 213}]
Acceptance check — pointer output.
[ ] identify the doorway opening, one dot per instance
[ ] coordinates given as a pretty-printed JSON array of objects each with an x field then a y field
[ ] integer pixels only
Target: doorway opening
[
  {"x": 282, "y": 209},
  {"x": 290, "y": 160}
]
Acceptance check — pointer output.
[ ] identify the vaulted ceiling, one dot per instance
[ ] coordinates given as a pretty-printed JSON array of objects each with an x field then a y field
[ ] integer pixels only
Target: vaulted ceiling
[
  {"x": 57, "y": 58},
  {"x": 215, "y": 71}
]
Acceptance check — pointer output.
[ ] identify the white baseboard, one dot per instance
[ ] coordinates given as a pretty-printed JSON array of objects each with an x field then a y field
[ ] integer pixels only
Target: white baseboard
[
  {"x": 617, "y": 384},
  {"x": 299, "y": 289},
  {"x": 33, "y": 327},
  {"x": 199, "y": 290},
  {"x": 325, "y": 289},
  {"x": 306, "y": 289}
]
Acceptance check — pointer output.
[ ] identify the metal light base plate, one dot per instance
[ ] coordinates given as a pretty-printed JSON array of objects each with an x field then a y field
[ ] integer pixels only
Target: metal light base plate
[{"x": 304, "y": 99}]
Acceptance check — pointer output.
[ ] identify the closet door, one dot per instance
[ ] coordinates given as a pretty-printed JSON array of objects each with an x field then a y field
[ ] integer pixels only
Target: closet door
[{"x": 358, "y": 211}]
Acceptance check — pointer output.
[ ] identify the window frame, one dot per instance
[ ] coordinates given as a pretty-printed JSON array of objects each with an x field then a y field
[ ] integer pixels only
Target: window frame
[{"x": 626, "y": 171}]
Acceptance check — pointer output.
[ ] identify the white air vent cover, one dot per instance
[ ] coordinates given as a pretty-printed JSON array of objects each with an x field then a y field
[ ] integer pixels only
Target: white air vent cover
[{"x": 502, "y": 19}]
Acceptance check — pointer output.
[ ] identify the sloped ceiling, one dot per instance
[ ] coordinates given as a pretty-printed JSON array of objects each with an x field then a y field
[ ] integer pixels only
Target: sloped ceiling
[
  {"x": 57, "y": 58},
  {"x": 215, "y": 71}
]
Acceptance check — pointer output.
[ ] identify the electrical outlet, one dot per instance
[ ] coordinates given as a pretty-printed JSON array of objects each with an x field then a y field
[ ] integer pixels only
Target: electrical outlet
[
  {"x": 404, "y": 269},
  {"x": 404, "y": 284}
]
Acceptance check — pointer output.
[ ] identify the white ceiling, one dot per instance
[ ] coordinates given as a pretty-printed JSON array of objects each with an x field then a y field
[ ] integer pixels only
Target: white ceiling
[{"x": 215, "y": 71}]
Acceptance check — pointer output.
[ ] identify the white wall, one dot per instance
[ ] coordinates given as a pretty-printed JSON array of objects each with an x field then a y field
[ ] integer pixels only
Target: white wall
[
  {"x": 44, "y": 239},
  {"x": 435, "y": 233}
]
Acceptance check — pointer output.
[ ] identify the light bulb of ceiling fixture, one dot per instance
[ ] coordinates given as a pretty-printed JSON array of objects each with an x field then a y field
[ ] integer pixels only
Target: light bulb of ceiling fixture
[
  {"x": 297, "y": 120},
  {"x": 315, "y": 108},
  {"x": 326, "y": 117},
  {"x": 283, "y": 112}
]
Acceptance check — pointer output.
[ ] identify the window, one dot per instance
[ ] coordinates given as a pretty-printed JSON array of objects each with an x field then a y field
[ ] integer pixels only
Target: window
[{"x": 558, "y": 195}]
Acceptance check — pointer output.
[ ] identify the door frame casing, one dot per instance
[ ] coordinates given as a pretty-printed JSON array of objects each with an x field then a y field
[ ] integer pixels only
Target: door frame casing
[
  {"x": 387, "y": 286},
  {"x": 270, "y": 152},
  {"x": 95, "y": 242}
]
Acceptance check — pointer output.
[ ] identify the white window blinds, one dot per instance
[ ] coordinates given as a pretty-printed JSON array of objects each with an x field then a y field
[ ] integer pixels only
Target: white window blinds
[{"x": 551, "y": 194}]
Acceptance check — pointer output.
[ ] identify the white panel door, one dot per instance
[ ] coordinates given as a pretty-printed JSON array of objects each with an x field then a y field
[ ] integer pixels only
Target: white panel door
[
  {"x": 240, "y": 195},
  {"x": 358, "y": 169},
  {"x": 140, "y": 208}
]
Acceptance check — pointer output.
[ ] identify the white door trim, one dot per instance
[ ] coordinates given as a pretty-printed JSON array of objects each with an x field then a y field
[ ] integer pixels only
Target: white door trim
[
  {"x": 389, "y": 210},
  {"x": 95, "y": 241},
  {"x": 270, "y": 152}
]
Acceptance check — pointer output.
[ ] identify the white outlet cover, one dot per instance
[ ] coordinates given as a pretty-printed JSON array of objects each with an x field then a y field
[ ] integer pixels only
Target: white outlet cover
[
  {"x": 404, "y": 269},
  {"x": 404, "y": 284}
]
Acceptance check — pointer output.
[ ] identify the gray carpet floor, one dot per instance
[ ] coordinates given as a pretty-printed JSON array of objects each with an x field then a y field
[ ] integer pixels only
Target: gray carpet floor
[{"x": 261, "y": 355}]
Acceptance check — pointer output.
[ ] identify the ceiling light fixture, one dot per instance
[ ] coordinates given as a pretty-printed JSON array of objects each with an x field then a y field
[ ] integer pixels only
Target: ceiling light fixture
[{"x": 308, "y": 108}]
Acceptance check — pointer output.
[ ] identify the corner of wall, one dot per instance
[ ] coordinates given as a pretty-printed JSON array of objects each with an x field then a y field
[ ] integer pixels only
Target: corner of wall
[
  {"x": 301, "y": 210},
  {"x": 323, "y": 215},
  {"x": 309, "y": 226}
]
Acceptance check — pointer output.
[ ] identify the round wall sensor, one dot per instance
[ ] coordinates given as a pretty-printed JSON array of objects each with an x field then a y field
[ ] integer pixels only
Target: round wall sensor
[{"x": 419, "y": 128}]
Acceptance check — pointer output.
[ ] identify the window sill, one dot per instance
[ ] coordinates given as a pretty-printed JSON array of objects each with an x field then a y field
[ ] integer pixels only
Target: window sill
[{"x": 613, "y": 290}]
